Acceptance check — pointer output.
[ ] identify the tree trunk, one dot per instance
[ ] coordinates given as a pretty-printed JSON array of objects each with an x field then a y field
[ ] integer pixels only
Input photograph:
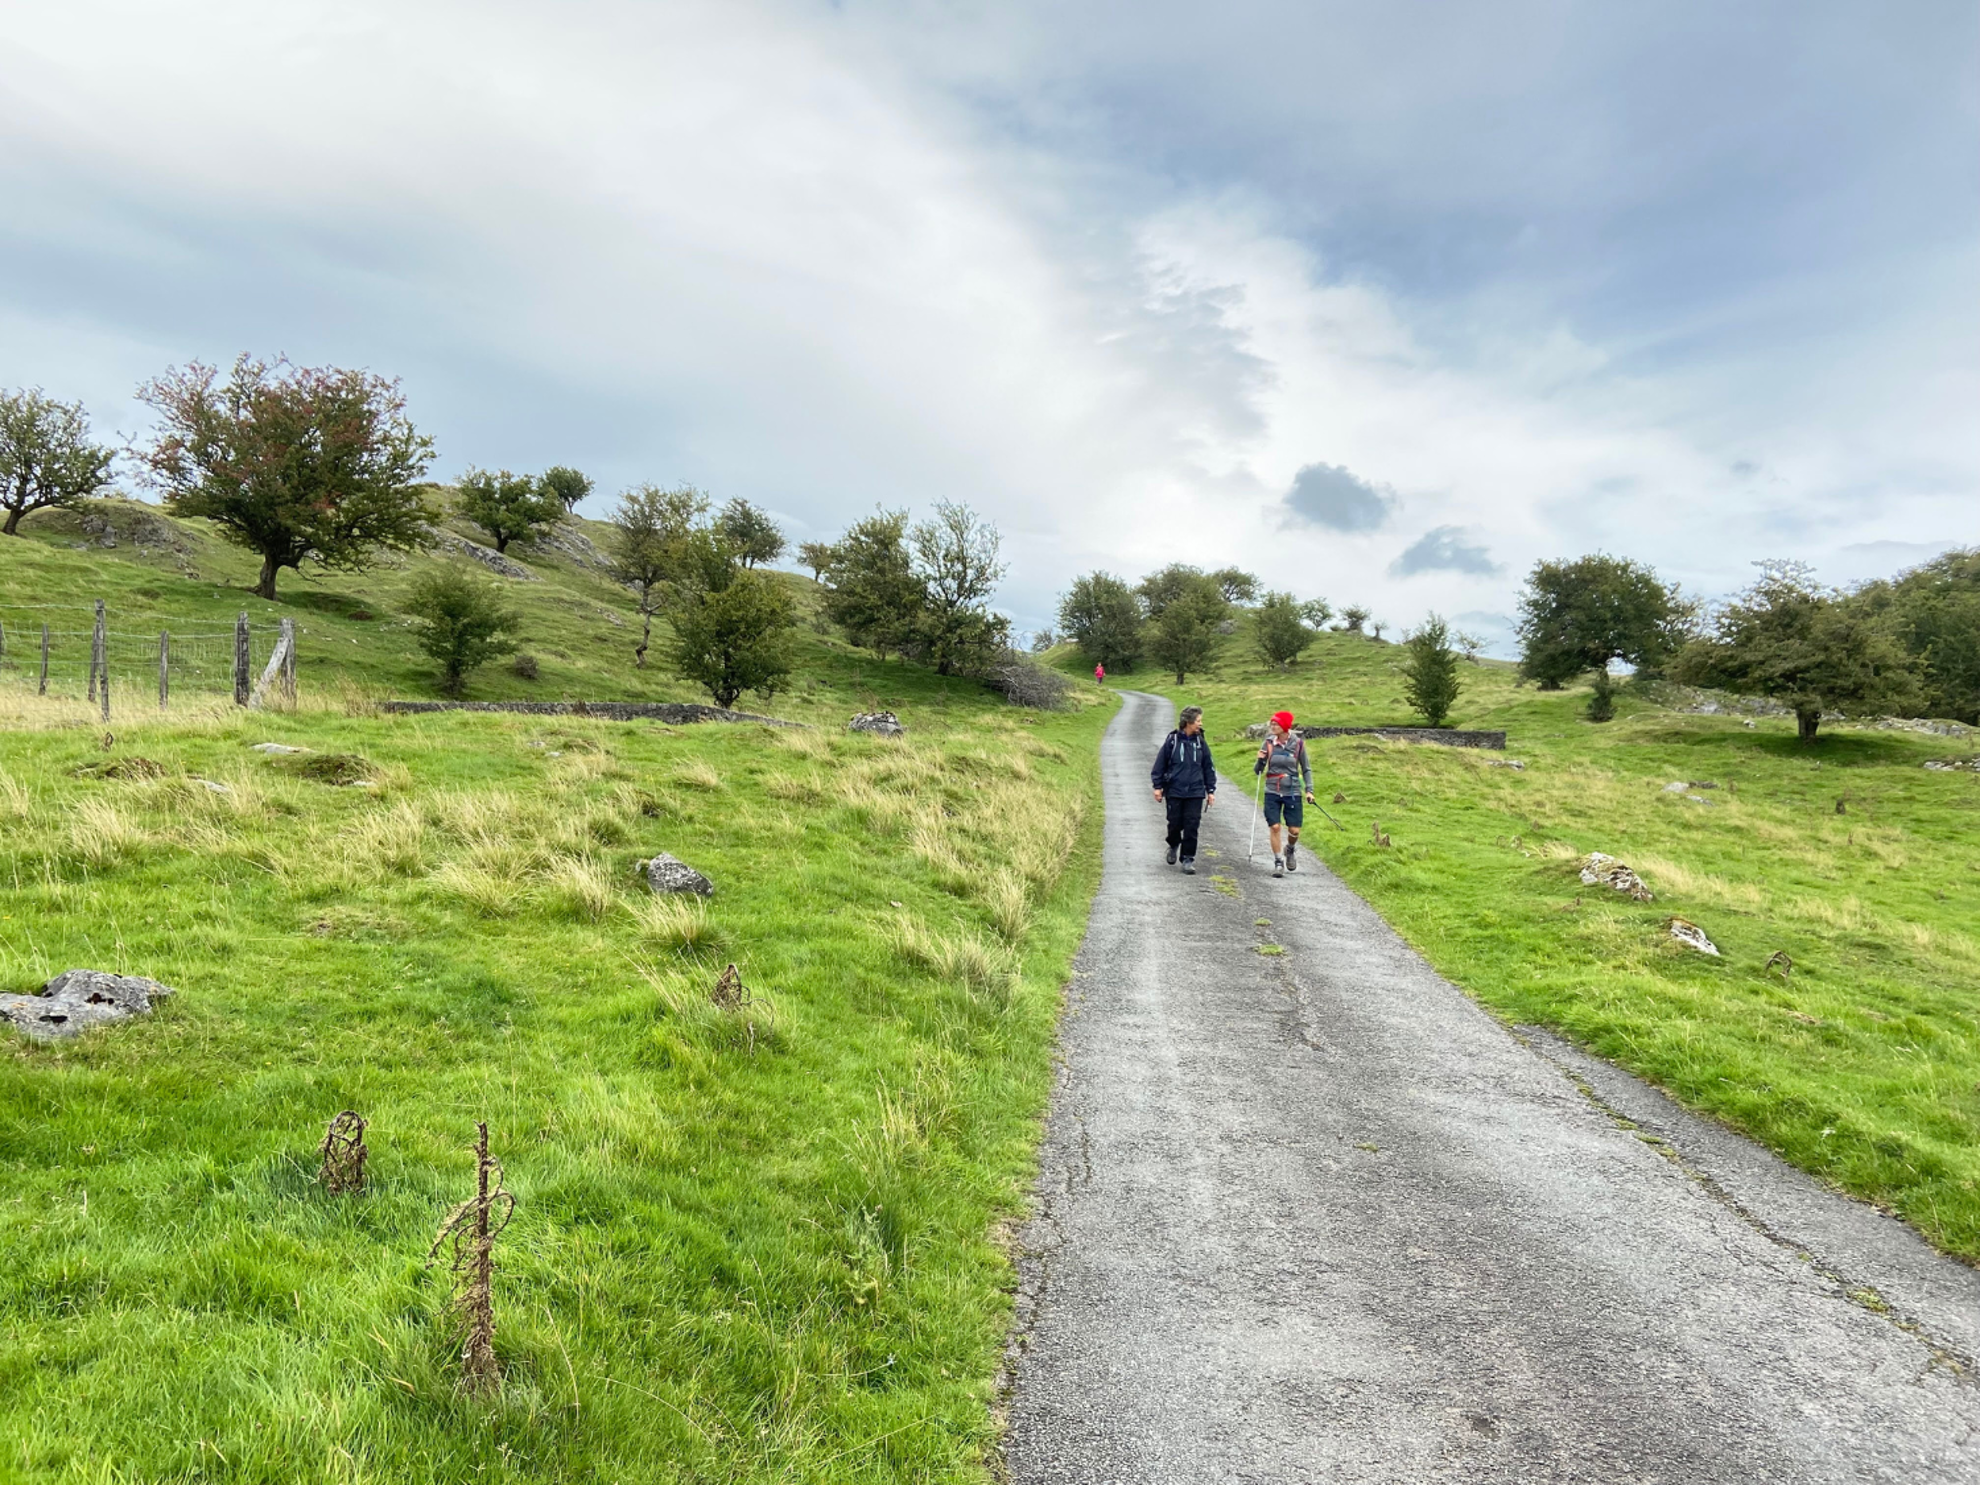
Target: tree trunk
[
  {"x": 265, "y": 586},
  {"x": 645, "y": 639},
  {"x": 13, "y": 522},
  {"x": 1805, "y": 723},
  {"x": 502, "y": 543}
]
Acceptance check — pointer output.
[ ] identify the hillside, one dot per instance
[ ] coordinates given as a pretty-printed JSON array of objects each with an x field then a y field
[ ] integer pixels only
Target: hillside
[
  {"x": 755, "y": 1238},
  {"x": 1857, "y": 1055}
]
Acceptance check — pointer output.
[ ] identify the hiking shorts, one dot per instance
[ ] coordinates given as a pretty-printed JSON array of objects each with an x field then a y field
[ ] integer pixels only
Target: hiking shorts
[{"x": 1292, "y": 807}]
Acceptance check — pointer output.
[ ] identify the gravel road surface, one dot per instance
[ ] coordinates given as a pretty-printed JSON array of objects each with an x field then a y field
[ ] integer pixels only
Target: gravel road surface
[{"x": 1314, "y": 1216}]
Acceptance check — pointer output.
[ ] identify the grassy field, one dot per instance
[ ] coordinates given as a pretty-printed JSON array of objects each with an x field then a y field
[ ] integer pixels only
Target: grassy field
[
  {"x": 759, "y": 1243},
  {"x": 1861, "y": 1064}
]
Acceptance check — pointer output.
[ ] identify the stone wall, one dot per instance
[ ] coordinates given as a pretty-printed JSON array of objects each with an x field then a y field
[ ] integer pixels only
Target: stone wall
[{"x": 675, "y": 713}]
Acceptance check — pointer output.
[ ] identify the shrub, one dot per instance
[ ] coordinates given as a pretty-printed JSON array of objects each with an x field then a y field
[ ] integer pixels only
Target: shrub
[
  {"x": 523, "y": 667},
  {"x": 1430, "y": 675},
  {"x": 1602, "y": 700},
  {"x": 1025, "y": 682},
  {"x": 461, "y": 622}
]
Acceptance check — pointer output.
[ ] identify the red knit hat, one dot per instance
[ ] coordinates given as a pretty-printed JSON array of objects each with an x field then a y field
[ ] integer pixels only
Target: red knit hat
[{"x": 1282, "y": 720}]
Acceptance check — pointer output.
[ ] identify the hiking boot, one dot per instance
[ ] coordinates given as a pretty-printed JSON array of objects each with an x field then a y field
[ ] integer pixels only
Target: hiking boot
[
  {"x": 1172, "y": 855},
  {"x": 1278, "y": 866},
  {"x": 1189, "y": 865},
  {"x": 1289, "y": 857}
]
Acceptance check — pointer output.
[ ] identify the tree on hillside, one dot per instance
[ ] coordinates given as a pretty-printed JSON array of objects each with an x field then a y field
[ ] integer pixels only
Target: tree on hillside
[
  {"x": 505, "y": 505},
  {"x": 1352, "y": 618},
  {"x": 751, "y": 534},
  {"x": 1806, "y": 645},
  {"x": 732, "y": 625},
  {"x": 1934, "y": 612},
  {"x": 565, "y": 485},
  {"x": 1101, "y": 615},
  {"x": 872, "y": 590},
  {"x": 1430, "y": 671},
  {"x": 1236, "y": 585},
  {"x": 1316, "y": 612},
  {"x": 651, "y": 528},
  {"x": 46, "y": 458},
  {"x": 461, "y": 622},
  {"x": 955, "y": 557},
  {"x": 1578, "y": 616},
  {"x": 1183, "y": 638},
  {"x": 1163, "y": 586},
  {"x": 293, "y": 463},
  {"x": 816, "y": 555},
  {"x": 1280, "y": 630}
]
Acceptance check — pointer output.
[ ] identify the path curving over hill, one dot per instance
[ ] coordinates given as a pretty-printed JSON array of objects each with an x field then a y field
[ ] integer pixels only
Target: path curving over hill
[{"x": 1317, "y": 1217}]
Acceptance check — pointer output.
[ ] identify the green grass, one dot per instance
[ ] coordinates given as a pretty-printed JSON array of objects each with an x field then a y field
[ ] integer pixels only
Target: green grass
[
  {"x": 1861, "y": 1065},
  {"x": 761, "y": 1243}
]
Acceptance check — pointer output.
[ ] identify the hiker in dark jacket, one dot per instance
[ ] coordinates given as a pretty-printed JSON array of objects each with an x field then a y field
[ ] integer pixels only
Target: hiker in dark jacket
[{"x": 1185, "y": 780}]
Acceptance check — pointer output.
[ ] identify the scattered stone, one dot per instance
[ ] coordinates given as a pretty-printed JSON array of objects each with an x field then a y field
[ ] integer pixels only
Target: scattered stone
[
  {"x": 1518, "y": 763},
  {"x": 1951, "y": 765},
  {"x": 275, "y": 748},
  {"x": 885, "y": 724},
  {"x": 666, "y": 873},
  {"x": 78, "y": 999},
  {"x": 215, "y": 786},
  {"x": 1691, "y": 936},
  {"x": 1599, "y": 870},
  {"x": 1676, "y": 787}
]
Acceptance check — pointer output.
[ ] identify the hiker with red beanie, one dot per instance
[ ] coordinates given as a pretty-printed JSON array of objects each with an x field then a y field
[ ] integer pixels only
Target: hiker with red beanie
[{"x": 1288, "y": 787}]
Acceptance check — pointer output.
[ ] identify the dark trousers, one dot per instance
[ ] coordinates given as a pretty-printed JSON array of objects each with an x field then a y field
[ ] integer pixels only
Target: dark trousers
[{"x": 1184, "y": 817}]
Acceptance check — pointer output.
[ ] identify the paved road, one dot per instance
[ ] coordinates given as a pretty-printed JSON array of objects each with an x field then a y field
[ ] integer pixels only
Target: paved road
[{"x": 1317, "y": 1217}]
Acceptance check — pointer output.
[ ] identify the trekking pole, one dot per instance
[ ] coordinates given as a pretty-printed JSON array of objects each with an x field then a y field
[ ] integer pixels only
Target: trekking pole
[
  {"x": 1257, "y": 805},
  {"x": 1330, "y": 819}
]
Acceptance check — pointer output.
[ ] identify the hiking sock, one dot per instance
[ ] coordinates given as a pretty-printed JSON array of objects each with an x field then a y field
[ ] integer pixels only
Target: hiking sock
[{"x": 1278, "y": 866}]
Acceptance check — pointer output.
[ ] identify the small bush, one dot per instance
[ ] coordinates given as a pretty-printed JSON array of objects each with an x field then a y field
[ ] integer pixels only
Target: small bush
[
  {"x": 1602, "y": 700},
  {"x": 337, "y": 769},
  {"x": 523, "y": 667},
  {"x": 461, "y": 622}
]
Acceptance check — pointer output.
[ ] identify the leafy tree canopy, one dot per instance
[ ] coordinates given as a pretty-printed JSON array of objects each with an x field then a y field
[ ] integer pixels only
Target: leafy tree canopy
[
  {"x": 651, "y": 532},
  {"x": 565, "y": 485},
  {"x": 956, "y": 560},
  {"x": 1280, "y": 629},
  {"x": 1934, "y": 611},
  {"x": 505, "y": 505},
  {"x": 750, "y": 533},
  {"x": 1236, "y": 585},
  {"x": 1183, "y": 636},
  {"x": 1578, "y": 616},
  {"x": 1101, "y": 614},
  {"x": 1163, "y": 586},
  {"x": 873, "y": 591},
  {"x": 46, "y": 457},
  {"x": 1811, "y": 647},
  {"x": 293, "y": 463}
]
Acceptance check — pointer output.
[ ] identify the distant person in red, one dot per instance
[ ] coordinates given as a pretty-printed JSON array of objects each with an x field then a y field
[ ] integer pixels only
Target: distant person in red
[{"x": 1100, "y": 675}]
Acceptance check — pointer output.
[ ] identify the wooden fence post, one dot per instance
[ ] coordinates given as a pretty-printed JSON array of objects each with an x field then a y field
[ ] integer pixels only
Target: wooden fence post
[
  {"x": 289, "y": 664},
  {"x": 96, "y": 656},
  {"x": 42, "y": 690},
  {"x": 241, "y": 661},
  {"x": 100, "y": 653},
  {"x": 164, "y": 667}
]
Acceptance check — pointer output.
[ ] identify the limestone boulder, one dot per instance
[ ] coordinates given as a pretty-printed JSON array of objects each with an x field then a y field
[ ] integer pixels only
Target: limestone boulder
[
  {"x": 666, "y": 873},
  {"x": 78, "y": 999},
  {"x": 885, "y": 724}
]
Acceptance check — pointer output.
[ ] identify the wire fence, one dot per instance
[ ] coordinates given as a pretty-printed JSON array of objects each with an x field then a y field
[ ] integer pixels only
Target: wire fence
[{"x": 68, "y": 652}]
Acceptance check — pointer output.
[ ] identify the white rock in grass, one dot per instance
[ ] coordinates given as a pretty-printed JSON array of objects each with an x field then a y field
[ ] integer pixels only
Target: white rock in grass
[
  {"x": 214, "y": 786},
  {"x": 886, "y": 724},
  {"x": 78, "y": 999},
  {"x": 666, "y": 873},
  {"x": 1606, "y": 871},
  {"x": 275, "y": 748},
  {"x": 1693, "y": 937}
]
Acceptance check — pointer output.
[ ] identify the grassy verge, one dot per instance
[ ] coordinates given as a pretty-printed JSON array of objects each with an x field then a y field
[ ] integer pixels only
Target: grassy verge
[
  {"x": 751, "y": 1244},
  {"x": 1861, "y": 1063}
]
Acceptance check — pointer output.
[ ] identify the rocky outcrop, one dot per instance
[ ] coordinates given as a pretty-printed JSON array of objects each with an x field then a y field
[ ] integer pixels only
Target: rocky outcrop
[
  {"x": 439, "y": 539},
  {"x": 666, "y": 873},
  {"x": 567, "y": 540},
  {"x": 78, "y": 999},
  {"x": 883, "y": 724},
  {"x": 1598, "y": 870},
  {"x": 1693, "y": 937}
]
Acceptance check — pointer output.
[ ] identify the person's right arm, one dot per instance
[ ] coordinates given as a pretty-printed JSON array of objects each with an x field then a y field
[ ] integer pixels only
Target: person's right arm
[{"x": 1161, "y": 769}]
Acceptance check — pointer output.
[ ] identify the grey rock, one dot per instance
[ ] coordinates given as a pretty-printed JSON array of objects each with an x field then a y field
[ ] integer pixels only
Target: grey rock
[
  {"x": 666, "y": 873},
  {"x": 447, "y": 541},
  {"x": 78, "y": 999},
  {"x": 567, "y": 540},
  {"x": 275, "y": 748},
  {"x": 885, "y": 724}
]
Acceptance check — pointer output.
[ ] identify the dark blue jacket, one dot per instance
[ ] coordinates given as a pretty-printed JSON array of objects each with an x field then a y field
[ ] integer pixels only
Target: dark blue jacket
[{"x": 1183, "y": 769}]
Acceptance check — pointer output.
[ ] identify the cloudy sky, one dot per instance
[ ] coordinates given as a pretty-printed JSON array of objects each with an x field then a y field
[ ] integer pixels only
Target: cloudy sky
[{"x": 1384, "y": 302}]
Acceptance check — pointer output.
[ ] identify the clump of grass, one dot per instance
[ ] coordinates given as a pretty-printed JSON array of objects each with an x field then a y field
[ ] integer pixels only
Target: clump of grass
[
  {"x": 101, "y": 834},
  {"x": 695, "y": 774},
  {"x": 389, "y": 841},
  {"x": 962, "y": 959},
  {"x": 336, "y": 769},
  {"x": 491, "y": 893},
  {"x": 132, "y": 767},
  {"x": 581, "y": 888},
  {"x": 16, "y": 799},
  {"x": 1009, "y": 901},
  {"x": 679, "y": 922}
]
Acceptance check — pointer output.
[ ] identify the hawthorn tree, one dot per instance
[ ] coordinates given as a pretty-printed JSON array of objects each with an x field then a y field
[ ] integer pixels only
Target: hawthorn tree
[
  {"x": 46, "y": 457},
  {"x": 1578, "y": 616},
  {"x": 1280, "y": 630},
  {"x": 1101, "y": 615},
  {"x": 1934, "y": 612},
  {"x": 294, "y": 463},
  {"x": 507, "y": 505},
  {"x": 750, "y": 533},
  {"x": 651, "y": 528},
  {"x": 816, "y": 555},
  {"x": 873, "y": 592},
  {"x": 1352, "y": 618},
  {"x": 1183, "y": 636},
  {"x": 956, "y": 562},
  {"x": 1166, "y": 584},
  {"x": 732, "y": 625},
  {"x": 565, "y": 485},
  {"x": 1237, "y": 585},
  {"x": 1809, "y": 646}
]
